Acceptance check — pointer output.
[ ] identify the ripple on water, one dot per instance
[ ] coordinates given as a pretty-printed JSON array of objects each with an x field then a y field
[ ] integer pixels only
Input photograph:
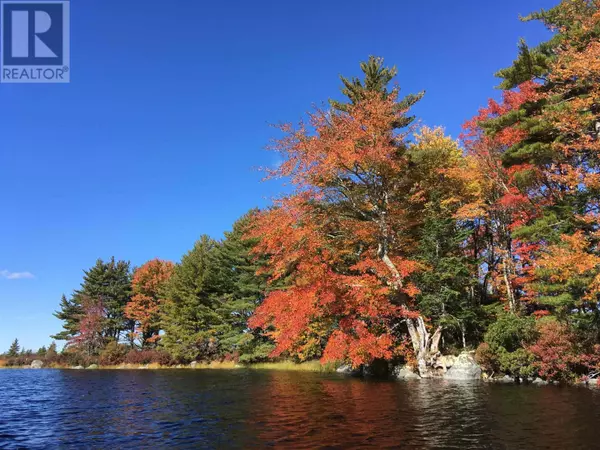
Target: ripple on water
[{"x": 241, "y": 409}]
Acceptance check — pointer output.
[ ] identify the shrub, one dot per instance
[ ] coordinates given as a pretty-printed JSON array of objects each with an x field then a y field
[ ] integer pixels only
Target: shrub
[
  {"x": 20, "y": 360},
  {"x": 113, "y": 354},
  {"x": 505, "y": 345},
  {"x": 518, "y": 363},
  {"x": 556, "y": 355},
  {"x": 486, "y": 358},
  {"x": 258, "y": 353},
  {"x": 148, "y": 357},
  {"x": 72, "y": 356},
  {"x": 511, "y": 332}
]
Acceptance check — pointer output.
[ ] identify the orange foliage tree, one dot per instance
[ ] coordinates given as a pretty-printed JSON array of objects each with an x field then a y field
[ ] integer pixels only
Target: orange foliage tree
[
  {"x": 344, "y": 239},
  {"x": 144, "y": 307}
]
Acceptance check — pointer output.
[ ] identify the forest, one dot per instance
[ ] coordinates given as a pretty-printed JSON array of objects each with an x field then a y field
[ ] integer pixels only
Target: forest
[{"x": 397, "y": 243}]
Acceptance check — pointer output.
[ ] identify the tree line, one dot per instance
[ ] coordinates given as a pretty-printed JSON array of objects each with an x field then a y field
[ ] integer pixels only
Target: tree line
[{"x": 398, "y": 243}]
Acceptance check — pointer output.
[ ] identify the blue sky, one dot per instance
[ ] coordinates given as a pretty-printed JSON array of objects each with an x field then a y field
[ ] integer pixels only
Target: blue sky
[{"x": 156, "y": 139}]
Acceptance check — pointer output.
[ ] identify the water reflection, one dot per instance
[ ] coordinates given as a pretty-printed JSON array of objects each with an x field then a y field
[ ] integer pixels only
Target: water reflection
[{"x": 243, "y": 409}]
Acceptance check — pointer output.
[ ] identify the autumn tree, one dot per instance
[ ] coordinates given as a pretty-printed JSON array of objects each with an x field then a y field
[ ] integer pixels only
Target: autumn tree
[
  {"x": 496, "y": 205},
  {"x": 147, "y": 284},
  {"x": 544, "y": 134},
  {"x": 91, "y": 337},
  {"x": 348, "y": 235}
]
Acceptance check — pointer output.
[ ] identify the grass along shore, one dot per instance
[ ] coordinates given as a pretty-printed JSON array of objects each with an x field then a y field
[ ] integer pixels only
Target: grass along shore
[{"x": 308, "y": 366}]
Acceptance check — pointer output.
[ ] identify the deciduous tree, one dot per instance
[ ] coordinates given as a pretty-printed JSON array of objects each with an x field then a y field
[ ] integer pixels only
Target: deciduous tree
[{"x": 144, "y": 307}]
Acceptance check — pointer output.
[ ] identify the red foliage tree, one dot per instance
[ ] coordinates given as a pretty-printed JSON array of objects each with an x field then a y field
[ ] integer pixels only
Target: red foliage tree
[
  {"x": 556, "y": 353},
  {"x": 499, "y": 206},
  {"x": 343, "y": 240},
  {"x": 91, "y": 325}
]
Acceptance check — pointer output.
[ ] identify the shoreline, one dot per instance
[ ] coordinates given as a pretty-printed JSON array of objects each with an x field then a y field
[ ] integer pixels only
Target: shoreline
[{"x": 309, "y": 366}]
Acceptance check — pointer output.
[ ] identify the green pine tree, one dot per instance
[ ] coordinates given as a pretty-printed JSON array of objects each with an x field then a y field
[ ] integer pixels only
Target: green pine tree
[
  {"x": 70, "y": 312},
  {"x": 14, "y": 349},
  {"x": 190, "y": 320},
  {"x": 448, "y": 286},
  {"x": 238, "y": 290},
  {"x": 110, "y": 282},
  {"x": 376, "y": 80}
]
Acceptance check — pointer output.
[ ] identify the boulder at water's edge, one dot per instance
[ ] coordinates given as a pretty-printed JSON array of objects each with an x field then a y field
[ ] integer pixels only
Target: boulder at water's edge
[
  {"x": 37, "y": 364},
  {"x": 347, "y": 369},
  {"x": 405, "y": 373},
  {"x": 463, "y": 367}
]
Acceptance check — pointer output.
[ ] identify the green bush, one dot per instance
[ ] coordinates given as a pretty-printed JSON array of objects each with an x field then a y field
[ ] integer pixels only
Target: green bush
[
  {"x": 504, "y": 346},
  {"x": 511, "y": 332},
  {"x": 518, "y": 363}
]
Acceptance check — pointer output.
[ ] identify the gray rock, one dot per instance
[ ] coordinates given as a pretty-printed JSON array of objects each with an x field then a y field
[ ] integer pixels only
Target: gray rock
[
  {"x": 37, "y": 364},
  {"x": 463, "y": 367},
  {"x": 193, "y": 364},
  {"x": 538, "y": 381},
  {"x": 347, "y": 369},
  {"x": 77, "y": 367},
  {"x": 446, "y": 361},
  {"x": 93, "y": 366},
  {"x": 405, "y": 373}
]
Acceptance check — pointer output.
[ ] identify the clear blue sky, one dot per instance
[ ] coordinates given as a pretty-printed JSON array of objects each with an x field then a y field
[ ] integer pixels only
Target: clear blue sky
[{"x": 156, "y": 139}]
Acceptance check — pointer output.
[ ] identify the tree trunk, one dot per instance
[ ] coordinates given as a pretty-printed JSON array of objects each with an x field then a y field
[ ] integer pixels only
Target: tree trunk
[
  {"x": 426, "y": 346},
  {"x": 512, "y": 303}
]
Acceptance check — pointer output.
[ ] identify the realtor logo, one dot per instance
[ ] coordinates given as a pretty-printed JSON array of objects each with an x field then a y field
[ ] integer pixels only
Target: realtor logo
[{"x": 34, "y": 41}]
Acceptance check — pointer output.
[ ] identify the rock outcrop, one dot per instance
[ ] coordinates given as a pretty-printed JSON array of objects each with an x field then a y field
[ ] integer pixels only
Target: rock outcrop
[
  {"x": 405, "y": 373},
  {"x": 347, "y": 369},
  {"x": 37, "y": 364},
  {"x": 461, "y": 367}
]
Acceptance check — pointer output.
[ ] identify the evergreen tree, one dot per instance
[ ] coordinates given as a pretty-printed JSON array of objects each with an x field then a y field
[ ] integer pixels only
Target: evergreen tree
[
  {"x": 549, "y": 124},
  {"x": 14, "y": 349},
  {"x": 190, "y": 320},
  {"x": 42, "y": 351},
  {"x": 70, "y": 313},
  {"x": 238, "y": 290},
  {"x": 376, "y": 80},
  {"x": 447, "y": 283},
  {"x": 110, "y": 284}
]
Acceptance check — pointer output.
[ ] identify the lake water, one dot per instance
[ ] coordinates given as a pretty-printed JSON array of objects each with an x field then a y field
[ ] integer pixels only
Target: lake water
[{"x": 242, "y": 409}]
